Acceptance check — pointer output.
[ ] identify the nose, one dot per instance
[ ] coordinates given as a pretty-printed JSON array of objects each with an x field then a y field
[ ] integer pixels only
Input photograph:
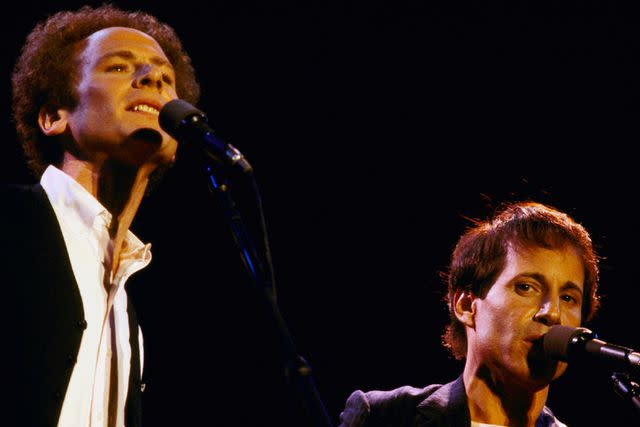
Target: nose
[
  {"x": 549, "y": 313},
  {"x": 148, "y": 76}
]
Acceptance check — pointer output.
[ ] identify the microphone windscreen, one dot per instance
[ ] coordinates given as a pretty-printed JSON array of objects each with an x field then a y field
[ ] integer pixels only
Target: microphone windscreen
[
  {"x": 174, "y": 112},
  {"x": 556, "y": 341}
]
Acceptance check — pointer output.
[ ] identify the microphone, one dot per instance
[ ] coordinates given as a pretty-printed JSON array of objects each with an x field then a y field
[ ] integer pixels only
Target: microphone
[
  {"x": 186, "y": 123},
  {"x": 569, "y": 344}
]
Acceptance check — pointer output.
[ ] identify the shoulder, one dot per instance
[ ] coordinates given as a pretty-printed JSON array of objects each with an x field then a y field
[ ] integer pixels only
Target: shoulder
[
  {"x": 380, "y": 408},
  {"x": 15, "y": 191},
  {"x": 18, "y": 198},
  {"x": 25, "y": 214}
]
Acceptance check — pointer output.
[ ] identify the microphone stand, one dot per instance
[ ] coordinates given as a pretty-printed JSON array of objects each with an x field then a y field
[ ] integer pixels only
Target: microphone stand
[
  {"x": 627, "y": 389},
  {"x": 297, "y": 370}
]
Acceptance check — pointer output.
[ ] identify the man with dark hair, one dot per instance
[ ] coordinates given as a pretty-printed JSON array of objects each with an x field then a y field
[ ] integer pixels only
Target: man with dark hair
[
  {"x": 510, "y": 279},
  {"x": 87, "y": 89}
]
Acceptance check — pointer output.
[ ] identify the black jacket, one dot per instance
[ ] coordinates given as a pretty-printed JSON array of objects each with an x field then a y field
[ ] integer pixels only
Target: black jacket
[
  {"x": 42, "y": 313},
  {"x": 433, "y": 406}
]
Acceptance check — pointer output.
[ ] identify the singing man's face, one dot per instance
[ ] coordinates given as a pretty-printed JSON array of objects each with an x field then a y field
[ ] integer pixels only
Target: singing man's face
[
  {"x": 124, "y": 79},
  {"x": 538, "y": 288}
]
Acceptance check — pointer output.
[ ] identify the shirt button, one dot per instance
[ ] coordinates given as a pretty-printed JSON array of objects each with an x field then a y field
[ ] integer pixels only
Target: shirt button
[{"x": 82, "y": 324}]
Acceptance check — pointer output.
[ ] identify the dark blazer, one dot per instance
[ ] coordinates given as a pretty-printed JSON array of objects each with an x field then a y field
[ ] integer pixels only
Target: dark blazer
[
  {"x": 43, "y": 311},
  {"x": 433, "y": 406}
]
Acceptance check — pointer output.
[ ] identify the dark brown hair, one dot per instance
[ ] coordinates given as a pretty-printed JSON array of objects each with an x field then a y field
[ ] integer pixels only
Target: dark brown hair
[
  {"x": 479, "y": 257},
  {"x": 46, "y": 71}
]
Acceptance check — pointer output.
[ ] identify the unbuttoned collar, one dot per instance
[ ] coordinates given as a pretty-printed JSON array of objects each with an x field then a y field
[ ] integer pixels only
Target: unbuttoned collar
[{"x": 81, "y": 212}]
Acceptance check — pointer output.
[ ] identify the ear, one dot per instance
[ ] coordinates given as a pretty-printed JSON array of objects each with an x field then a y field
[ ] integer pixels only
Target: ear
[
  {"x": 464, "y": 307},
  {"x": 52, "y": 122}
]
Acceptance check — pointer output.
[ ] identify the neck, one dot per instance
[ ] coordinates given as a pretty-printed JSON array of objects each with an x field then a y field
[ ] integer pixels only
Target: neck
[
  {"x": 492, "y": 400},
  {"x": 119, "y": 188}
]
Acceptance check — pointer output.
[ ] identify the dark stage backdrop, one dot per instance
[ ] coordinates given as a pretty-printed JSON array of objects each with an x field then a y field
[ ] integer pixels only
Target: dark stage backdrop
[{"x": 376, "y": 128}]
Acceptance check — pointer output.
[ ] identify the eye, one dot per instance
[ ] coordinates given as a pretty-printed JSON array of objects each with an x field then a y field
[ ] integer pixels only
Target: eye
[
  {"x": 167, "y": 79},
  {"x": 569, "y": 298},
  {"x": 117, "y": 68},
  {"x": 524, "y": 288}
]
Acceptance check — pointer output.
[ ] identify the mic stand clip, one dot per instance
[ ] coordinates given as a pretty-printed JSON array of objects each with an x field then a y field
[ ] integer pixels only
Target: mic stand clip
[{"x": 626, "y": 388}]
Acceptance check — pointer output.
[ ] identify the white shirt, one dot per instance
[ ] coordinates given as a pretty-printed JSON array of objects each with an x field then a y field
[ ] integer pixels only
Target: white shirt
[{"x": 84, "y": 223}]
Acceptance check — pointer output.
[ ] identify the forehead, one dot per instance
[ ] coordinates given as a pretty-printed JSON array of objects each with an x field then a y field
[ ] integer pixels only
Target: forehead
[
  {"x": 563, "y": 264},
  {"x": 115, "y": 39}
]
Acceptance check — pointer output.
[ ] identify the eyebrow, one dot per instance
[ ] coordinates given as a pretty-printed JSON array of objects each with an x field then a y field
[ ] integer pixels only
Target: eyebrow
[
  {"x": 127, "y": 54},
  {"x": 542, "y": 279}
]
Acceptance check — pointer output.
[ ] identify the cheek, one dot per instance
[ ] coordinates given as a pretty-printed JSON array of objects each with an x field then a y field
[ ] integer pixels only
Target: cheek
[
  {"x": 492, "y": 323},
  {"x": 501, "y": 321},
  {"x": 572, "y": 317},
  {"x": 173, "y": 94},
  {"x": 93, "y": 107},
  {"x": 99, "y": 97}
]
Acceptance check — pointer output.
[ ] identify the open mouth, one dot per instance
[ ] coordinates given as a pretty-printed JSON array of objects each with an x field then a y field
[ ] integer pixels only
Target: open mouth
[{"x": 145, "y": 107}]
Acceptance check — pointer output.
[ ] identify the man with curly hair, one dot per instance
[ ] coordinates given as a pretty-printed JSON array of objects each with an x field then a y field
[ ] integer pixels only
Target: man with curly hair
[
  {"x": 510, "y": 279},
  {"x": 87, "y": 89}
]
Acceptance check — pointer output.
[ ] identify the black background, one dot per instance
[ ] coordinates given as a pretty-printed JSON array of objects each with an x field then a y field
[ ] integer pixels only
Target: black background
[{"x": 375, "y": 128}]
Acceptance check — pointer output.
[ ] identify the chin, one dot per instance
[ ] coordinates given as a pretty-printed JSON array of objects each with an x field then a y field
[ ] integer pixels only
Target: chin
[
  {"x": 543, "y": 371},
  {"x": 148, "y": 147},
  {"x": 166, "y": 154}
]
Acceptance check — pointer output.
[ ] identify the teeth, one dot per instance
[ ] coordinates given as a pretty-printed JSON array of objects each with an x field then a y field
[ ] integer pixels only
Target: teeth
[{"x": 146, "y": 108}]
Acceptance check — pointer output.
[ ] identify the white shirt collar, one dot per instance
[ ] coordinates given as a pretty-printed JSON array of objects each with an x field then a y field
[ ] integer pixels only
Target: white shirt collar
[{"x": 81, "y": 212}]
